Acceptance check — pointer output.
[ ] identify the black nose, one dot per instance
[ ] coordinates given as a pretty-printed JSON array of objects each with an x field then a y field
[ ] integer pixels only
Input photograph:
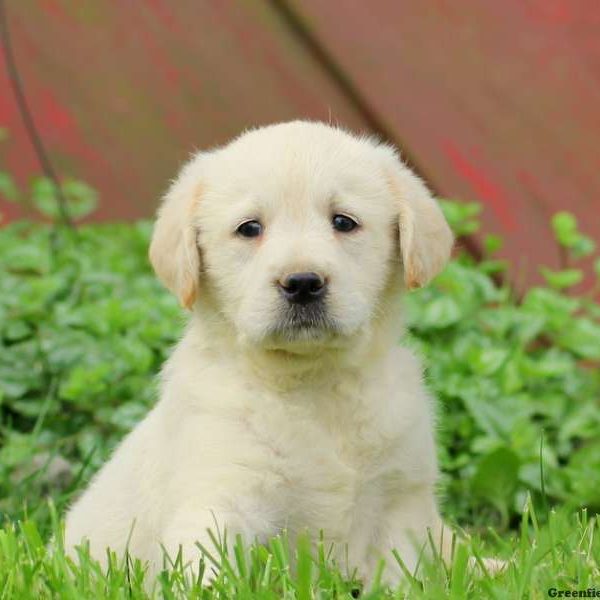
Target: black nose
[{"x": 302, "y": 288}]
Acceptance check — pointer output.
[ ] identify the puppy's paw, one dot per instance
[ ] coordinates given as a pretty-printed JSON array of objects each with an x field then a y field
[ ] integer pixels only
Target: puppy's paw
[{"x": 492, "y": 566}]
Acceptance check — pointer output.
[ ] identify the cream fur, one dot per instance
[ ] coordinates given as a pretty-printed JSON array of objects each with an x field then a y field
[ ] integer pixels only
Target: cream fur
[{"x": 259, "y": 429}]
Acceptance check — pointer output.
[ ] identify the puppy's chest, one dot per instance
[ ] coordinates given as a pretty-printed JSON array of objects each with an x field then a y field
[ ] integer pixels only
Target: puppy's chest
[
  {"x": 332, "y": 442},
  {"x": 323, "y": 467}
]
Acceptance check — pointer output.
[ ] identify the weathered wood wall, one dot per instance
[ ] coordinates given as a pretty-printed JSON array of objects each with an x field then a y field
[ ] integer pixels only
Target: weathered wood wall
[{"x": 492, "y": 101}]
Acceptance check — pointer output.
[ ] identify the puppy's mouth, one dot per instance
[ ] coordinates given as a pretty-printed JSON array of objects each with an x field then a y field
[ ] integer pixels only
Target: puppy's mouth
[{"x": 309, "y": 322}]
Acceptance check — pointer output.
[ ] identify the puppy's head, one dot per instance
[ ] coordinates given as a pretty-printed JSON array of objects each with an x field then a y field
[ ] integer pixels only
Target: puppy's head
[{"x": 293, "y": 233}]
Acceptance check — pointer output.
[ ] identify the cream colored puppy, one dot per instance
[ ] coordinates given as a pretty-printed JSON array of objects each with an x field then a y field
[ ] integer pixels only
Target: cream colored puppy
[{"x": 288, "y": 404}]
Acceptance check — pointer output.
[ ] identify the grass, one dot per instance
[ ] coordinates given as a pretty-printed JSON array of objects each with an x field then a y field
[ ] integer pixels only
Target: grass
[{"x": 562, "y": 554}]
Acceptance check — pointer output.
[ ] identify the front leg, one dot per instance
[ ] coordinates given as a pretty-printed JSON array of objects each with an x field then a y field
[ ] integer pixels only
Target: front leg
[
  {"x": 411, "y": 526},
  {"x": 187, "y": 531}
]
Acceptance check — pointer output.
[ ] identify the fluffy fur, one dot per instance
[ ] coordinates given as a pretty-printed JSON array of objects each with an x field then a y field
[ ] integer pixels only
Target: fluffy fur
[{"x": 268, "y": 420}]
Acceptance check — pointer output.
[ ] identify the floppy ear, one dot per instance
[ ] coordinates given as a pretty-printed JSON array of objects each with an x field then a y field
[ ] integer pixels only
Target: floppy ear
[
  {"x": 426, "y": 239},
  {"x": 173, "y": 250}
]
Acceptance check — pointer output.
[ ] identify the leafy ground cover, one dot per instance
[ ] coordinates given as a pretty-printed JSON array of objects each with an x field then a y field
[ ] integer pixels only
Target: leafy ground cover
[{"x": 85, "y": 326}]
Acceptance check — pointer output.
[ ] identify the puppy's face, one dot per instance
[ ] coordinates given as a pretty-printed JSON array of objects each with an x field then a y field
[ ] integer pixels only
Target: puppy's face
[{"x": 292, "y": 231}]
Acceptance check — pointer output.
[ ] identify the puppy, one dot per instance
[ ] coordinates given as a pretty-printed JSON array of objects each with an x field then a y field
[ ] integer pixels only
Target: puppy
[{"x": 289, "y": 403}]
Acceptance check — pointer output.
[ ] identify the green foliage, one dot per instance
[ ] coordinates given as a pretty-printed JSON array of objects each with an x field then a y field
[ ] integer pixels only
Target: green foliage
[
  {"x": 462, "y": 216},
  {"x": 84, "y": 328},
  {"x": 507, "y": 372},
  {"x": 8, "y": 187},
  {"x": 43, "y": 196},
  {"x": 568, "y": 235}
]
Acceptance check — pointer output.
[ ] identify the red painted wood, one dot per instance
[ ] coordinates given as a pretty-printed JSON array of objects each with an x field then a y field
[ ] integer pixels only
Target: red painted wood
[
  {"x": 123, "y": 92},
  {"x": 496, "y": 101}
]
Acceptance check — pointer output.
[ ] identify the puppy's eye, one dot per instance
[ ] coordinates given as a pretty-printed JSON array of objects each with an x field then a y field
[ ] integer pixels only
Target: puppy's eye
[
  {"x": 249, "y": 229},
  {"x": 344, "y": 223}
]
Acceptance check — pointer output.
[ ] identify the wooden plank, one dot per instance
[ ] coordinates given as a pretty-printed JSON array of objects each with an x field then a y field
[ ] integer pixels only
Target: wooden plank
[
  {"x": 496, "y": 101},
  {"x": 123, "y": 92}
]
